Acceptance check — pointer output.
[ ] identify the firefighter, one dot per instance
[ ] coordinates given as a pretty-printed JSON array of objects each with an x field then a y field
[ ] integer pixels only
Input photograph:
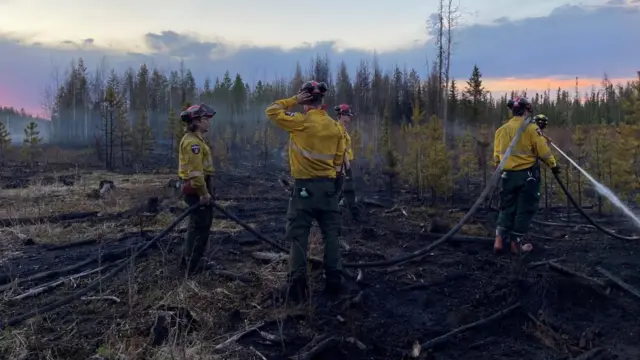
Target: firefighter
[
  {"x": 344, "y": 114},
  {"x": 316, "y": 152},
  {"x": 541, "y": 120},
  {"x": 195, "y": 171},
  {"x": 520, "y": 195}
]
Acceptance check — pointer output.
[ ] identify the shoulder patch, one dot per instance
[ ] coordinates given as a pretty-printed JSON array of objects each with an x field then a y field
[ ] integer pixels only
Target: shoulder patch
[
  {"x": 289, "y": 113},
  {"x": 195, "y": 148}
]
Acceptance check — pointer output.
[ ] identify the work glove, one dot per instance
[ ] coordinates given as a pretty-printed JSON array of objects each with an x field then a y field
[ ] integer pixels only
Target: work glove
[{"x": 556, "y": 169}]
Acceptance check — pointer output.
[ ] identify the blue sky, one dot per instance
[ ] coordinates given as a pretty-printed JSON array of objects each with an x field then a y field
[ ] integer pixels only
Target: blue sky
[{"x": 544, "y": 39}]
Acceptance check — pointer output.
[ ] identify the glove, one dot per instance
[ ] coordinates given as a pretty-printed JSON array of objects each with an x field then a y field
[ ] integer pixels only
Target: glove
[{"x": 556, "y": 169}]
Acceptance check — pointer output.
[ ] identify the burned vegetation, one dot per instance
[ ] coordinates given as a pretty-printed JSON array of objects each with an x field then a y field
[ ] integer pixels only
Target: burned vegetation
[{"x": 89, "y": 256}]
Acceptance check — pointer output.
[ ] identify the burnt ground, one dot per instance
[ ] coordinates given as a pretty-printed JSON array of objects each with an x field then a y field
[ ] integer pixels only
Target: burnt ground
[{"x": 151, "y": 311}]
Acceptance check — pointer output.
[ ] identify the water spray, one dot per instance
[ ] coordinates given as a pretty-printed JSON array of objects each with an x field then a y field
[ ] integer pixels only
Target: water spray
[{"x": 602, "y": 189}]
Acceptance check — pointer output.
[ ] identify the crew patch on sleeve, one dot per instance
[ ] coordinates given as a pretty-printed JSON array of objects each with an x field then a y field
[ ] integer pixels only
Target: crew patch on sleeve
[
  {"x": 195, "y": 148},
  {"x": 289, "y": 113}
]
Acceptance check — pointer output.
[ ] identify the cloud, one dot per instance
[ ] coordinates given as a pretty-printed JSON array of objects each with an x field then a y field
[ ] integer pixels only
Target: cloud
[{"x": 571, "y": 41}]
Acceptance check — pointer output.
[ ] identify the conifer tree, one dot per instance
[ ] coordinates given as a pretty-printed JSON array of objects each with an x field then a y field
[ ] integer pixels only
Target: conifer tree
[
  {"x": 142, "y": 138},
  {"x": 31, "y": 142},
  {"x": 439, "y": 167},
  {"x": 5, "y": 140}
]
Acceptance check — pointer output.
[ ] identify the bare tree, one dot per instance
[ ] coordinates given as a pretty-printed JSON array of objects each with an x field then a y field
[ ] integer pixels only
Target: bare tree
[
  {"x": 452, "y": 17},
  {"x": 441, "y": 57}
]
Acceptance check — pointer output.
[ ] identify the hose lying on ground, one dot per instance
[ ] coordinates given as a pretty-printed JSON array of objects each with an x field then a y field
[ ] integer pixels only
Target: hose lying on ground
[
  {"x": 96, "y": 283},
  {"x": 588, "y": 217},
  {"x": 418, "y": 253}
]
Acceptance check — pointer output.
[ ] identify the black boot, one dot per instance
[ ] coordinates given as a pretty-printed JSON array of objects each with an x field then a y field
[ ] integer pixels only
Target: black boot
[
  {"x": 297, "y": 290},
  {"x": 334, "y": 283}
]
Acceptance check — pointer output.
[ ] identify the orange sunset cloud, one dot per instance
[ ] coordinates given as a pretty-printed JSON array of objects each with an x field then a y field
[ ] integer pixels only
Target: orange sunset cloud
[{"x": 539, "y": 85}]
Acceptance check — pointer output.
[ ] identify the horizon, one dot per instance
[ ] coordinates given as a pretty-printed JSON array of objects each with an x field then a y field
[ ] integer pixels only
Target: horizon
[{"x": 257, "y": 50}]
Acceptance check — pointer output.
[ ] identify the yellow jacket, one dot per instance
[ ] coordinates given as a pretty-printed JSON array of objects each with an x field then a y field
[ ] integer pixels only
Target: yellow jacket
[
  {"x": 316, "y": 142},
  {"x": 195, "y": 161},
  {"x": 347, "y": 142},
  {"x": 531, "y": 146}
]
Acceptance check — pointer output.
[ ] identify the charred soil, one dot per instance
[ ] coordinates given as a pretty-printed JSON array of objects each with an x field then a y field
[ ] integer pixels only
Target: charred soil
[{"x": 233, "y": 308}]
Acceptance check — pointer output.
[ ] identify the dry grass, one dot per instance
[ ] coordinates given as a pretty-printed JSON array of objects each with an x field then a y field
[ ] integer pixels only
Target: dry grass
[
  {"x": 209, "y": 299},
  {"x": 41, "y": 200}
]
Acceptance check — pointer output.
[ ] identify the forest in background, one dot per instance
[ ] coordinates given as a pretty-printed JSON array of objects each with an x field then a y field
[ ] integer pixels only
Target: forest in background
[
  {"x": 427, "y": 134},
  {"x": 431, "y": 134},
  {"x": 15, "y": 121}
]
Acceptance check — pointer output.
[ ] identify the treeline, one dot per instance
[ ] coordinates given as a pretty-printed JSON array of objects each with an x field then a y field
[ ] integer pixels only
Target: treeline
[
  {"x": 78, "y": 106},
  {"x": 15, "y": 121},
  {"x": 408, "y": 130}
]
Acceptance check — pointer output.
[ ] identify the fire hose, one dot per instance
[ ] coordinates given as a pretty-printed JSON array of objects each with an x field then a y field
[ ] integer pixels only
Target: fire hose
[
  {"x": 384, "y": 263},
  {"x": 588, "y": 217},
  {"x": 421, "y": 252}
]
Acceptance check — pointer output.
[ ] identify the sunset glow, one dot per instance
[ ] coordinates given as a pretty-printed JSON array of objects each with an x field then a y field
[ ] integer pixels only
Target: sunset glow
[
  {"x": 532, "y": 86},
  {"x": 497, "y": 87}
]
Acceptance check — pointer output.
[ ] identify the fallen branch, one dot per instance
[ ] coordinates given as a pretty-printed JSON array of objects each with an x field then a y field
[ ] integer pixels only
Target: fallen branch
[
  {"x": 536, "y": 264},
  {"x": 616, "y": 280},
  {"x": 232, "y": 276},
  {"x": 590, "y": 354},
  {"x": 270, "y": 337},
  {"x": 443, "y": 338},
  {"x": 448, "y": 278},
  {"x": 371, "y": 202},
  {"x": 47, "y": 274},
  {"x": 237, "y": 336},
  {"x": 258, "y": 353},
  {"x": 52, "y": 219},
  {"x": 89, "y": 298},
  {"x": 315, "y": 350},
  {"x": 565, "y": 225},
  {"x": 52, "y": 285},
  {"x": 564, "y": 270},
  {"x": 123, "y": 237},
  {"x": 356, "y": 342},
  {"x": 269, "y": 256},
  {"x": 115, "y": 254}
]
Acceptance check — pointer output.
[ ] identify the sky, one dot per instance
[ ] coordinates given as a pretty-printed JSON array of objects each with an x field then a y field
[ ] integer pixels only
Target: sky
[{"x": 542, "y": 45}]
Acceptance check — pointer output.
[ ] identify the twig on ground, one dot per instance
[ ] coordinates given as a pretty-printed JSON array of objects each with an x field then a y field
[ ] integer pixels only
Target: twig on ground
[
  {"x": 258, "y": 353},
  {"x": 270, "y": 337},
  {"x": 89, "y": 298},
  {"x": 616, "y": 280},
  {"x": 315, "y": 350},
  {"x": 590, "y": 354},
  {"x": 482, "y": 343},
  {"x": 261, "y": 255},
  {"x": 52, "y": 285},
  {"x": 356, "y": 342},
  {"x": 536, "y": 264},
  {"x": 564, "y": 270},
  {"x": 238, "y": 335},
  {"x": 232, "y": 276},
  {"x": 443, "y": 338}
]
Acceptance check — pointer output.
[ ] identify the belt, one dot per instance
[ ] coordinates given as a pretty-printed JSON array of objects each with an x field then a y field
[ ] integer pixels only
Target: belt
[{"x": 315, "y": 180}]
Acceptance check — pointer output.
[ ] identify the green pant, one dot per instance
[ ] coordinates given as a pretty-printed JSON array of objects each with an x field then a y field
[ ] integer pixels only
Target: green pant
[
  {"x": 349, "y": 193},
  {"x": 519, "y": 200},
  {"x": 198, "y": 229},
  {"x": 314, "y": 199}
]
